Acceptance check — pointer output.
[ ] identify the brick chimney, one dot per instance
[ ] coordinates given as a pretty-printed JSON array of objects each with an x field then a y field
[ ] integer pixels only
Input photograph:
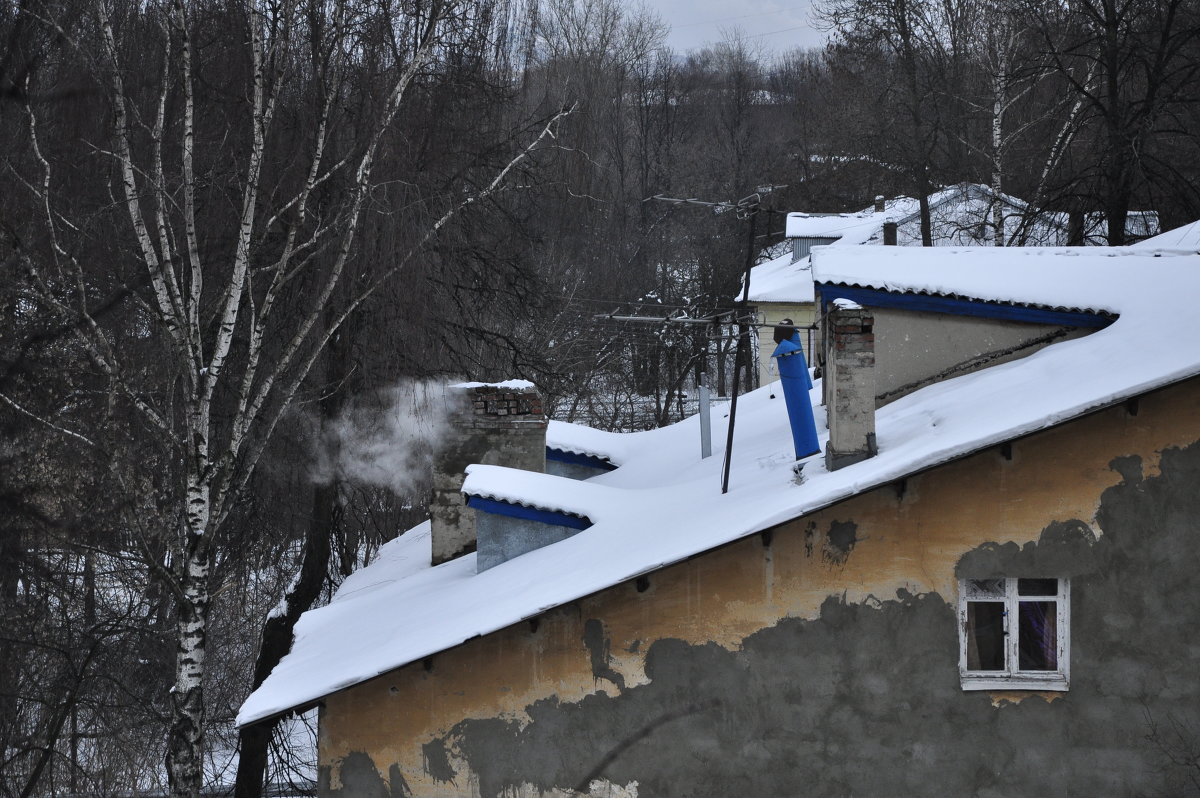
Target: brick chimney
[
  {"x": 880, "y": 205},
  {"x": 850, "y": 384},
  {"x": 890, "y": 233},
  {"x": 494, "y": 424}
]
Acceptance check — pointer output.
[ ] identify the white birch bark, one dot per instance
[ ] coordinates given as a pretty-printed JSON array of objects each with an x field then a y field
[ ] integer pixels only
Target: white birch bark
[{"x": 232, "y": 396}]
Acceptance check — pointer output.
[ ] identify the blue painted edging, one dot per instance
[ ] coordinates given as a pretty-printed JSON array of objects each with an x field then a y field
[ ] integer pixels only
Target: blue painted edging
[
  {"x": 589, "y": 460},
  {"x": 528, "y": 513},
  {"x": 872, "y": 297}
]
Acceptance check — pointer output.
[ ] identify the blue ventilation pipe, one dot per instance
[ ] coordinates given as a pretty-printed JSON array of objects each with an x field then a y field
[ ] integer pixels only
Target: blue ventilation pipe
[{"x": 793, "y": 373}]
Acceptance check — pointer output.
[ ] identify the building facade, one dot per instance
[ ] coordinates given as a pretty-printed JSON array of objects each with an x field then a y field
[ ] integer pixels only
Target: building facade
[{"x": 825, "y": 656}]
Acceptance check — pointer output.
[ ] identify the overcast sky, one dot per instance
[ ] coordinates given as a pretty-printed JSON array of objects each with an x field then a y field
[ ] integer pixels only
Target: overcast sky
[{"x": 777, "y": 24}]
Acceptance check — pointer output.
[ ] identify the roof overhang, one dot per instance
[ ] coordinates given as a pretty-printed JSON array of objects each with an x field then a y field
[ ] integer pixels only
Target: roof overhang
[{"x": 962, "y": 306}]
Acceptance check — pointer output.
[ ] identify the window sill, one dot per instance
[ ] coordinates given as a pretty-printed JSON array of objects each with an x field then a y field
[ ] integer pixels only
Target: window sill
[{"x": 1052, "y": 683}]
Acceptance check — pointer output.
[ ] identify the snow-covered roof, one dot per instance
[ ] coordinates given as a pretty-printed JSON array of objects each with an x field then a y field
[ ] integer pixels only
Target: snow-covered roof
[
  {"x": 1065, "y": 286},
  {"x": 578, "y": 439},
  {"x": 860, "y": 227},
  {"x": 1186, "y": 238},
  {"x": 834, "y": 225},
  {"x": 512, "y": 385},
  {"x": 664, "y": 504},
  {"x": 961, "y": 215},
  {"x": 781, "y": 280}
]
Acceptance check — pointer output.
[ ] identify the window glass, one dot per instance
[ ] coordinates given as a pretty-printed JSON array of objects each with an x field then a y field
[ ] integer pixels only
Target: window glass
[
  {"x": 1037, "y": 639},
  {"x": 985, "y": 636},
  {"x": 985, "y": 588},
  {"x": 1037, "y": 587}
]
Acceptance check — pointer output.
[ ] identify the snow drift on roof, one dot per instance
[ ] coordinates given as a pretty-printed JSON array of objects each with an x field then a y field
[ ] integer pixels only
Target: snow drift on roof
[
  {"x": 1186, "y": 237},
  {"x": 515, "y": 385},
  {"x": 664, "y": 503},
  {"x": 781, "y": 280},
  {"x": 1042, "y": 276},
  {"x": 578, "y": 439}
]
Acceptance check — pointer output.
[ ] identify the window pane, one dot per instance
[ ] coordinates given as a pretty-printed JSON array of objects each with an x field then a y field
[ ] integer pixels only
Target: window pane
[
  {"x": 985, "y": 635},
  {"x": 985, "y": 588},
  {"x": 1038, "y": 636},
  {"x": 1037, "y": 587}
]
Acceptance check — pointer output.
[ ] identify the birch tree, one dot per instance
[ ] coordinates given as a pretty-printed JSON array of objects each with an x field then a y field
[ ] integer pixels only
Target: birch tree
[{"x": 244, "y": 229}]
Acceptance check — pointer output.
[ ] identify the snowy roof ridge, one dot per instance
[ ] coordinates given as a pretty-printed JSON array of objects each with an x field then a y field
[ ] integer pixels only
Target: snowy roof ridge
[
  {"x": 892, "y": 287},
  {"x": 1002, "y": 275},
  {"x": 664, "y": 503},
  {"x": 782, "y": 280},
  {"x": 515, "y": 385},
  {"x": 615, "y": 447},
  {"x": 551, "y": 492},
  {"x": 1185, "y": 238}
]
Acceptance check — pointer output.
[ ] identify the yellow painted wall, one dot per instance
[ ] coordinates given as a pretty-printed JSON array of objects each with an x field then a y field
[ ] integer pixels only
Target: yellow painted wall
[
  {"x": 769, "y": 314},
  {"x": 910, "y": 542}
]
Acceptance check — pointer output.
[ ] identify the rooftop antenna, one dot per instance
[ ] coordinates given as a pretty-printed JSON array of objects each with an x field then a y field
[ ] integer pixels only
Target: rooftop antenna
[{"x": 747, "y": 209}]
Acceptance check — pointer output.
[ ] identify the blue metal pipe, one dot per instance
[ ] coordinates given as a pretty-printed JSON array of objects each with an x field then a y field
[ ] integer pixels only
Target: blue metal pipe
[{"x": 793, "y": 373}]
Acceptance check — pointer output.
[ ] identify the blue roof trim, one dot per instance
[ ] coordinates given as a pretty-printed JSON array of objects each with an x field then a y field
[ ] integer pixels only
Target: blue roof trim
[
  {"x": 873, "y": 297},
  {"x": 528, "y": 513},
  {"x": 589, "y": 460}
]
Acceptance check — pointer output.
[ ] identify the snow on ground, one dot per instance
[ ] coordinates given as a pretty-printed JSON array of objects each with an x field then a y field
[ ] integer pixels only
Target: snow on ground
[{"x": 664, "y": 503}]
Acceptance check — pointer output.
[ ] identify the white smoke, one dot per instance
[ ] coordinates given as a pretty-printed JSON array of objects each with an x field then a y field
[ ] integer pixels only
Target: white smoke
[{"x": 387, "y": 439}]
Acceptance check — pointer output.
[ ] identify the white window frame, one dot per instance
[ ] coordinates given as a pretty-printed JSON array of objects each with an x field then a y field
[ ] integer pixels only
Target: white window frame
[{"x": 1012, "y": 678}]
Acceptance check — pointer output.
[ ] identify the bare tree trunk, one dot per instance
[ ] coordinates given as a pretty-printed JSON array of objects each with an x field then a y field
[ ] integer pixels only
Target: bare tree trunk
[
  {"x": 999, "y": 91},
  {"x": 185, "y": 746},
  {"x": 254, "y": 741}
]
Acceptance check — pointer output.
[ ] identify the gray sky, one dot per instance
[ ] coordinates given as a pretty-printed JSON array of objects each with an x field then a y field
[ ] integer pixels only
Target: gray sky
[{"x": 777, "y": 24}]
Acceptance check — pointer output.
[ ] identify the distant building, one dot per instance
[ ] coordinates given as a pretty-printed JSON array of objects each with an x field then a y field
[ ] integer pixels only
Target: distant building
[{"x": 960, "y": 215}]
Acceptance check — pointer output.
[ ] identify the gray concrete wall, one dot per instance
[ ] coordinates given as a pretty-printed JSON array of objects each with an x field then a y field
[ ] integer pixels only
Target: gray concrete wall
[
  {"x": 865, "y": 699},
  {"x": 502, "y": 537},
  {"x": 915, "y": 349}
]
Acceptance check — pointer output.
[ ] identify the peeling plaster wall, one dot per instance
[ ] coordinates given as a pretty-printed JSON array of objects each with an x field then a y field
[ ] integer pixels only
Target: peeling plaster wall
[{"x": 820, "y": 658}]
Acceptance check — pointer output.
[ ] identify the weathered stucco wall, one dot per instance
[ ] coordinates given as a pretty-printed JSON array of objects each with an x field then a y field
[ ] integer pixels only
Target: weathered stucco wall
[
  {"x": 915, "y": 349},
  {"x": 770, "y": 314},
  {"x": 821, "y": 658}
]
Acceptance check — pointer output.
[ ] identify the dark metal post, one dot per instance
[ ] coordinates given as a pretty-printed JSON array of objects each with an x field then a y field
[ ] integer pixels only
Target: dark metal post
[{"x": 739, "y": 353}]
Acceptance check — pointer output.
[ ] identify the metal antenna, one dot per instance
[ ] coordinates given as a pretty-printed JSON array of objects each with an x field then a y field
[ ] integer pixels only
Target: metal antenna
[{"x": 747, "y": 208}]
